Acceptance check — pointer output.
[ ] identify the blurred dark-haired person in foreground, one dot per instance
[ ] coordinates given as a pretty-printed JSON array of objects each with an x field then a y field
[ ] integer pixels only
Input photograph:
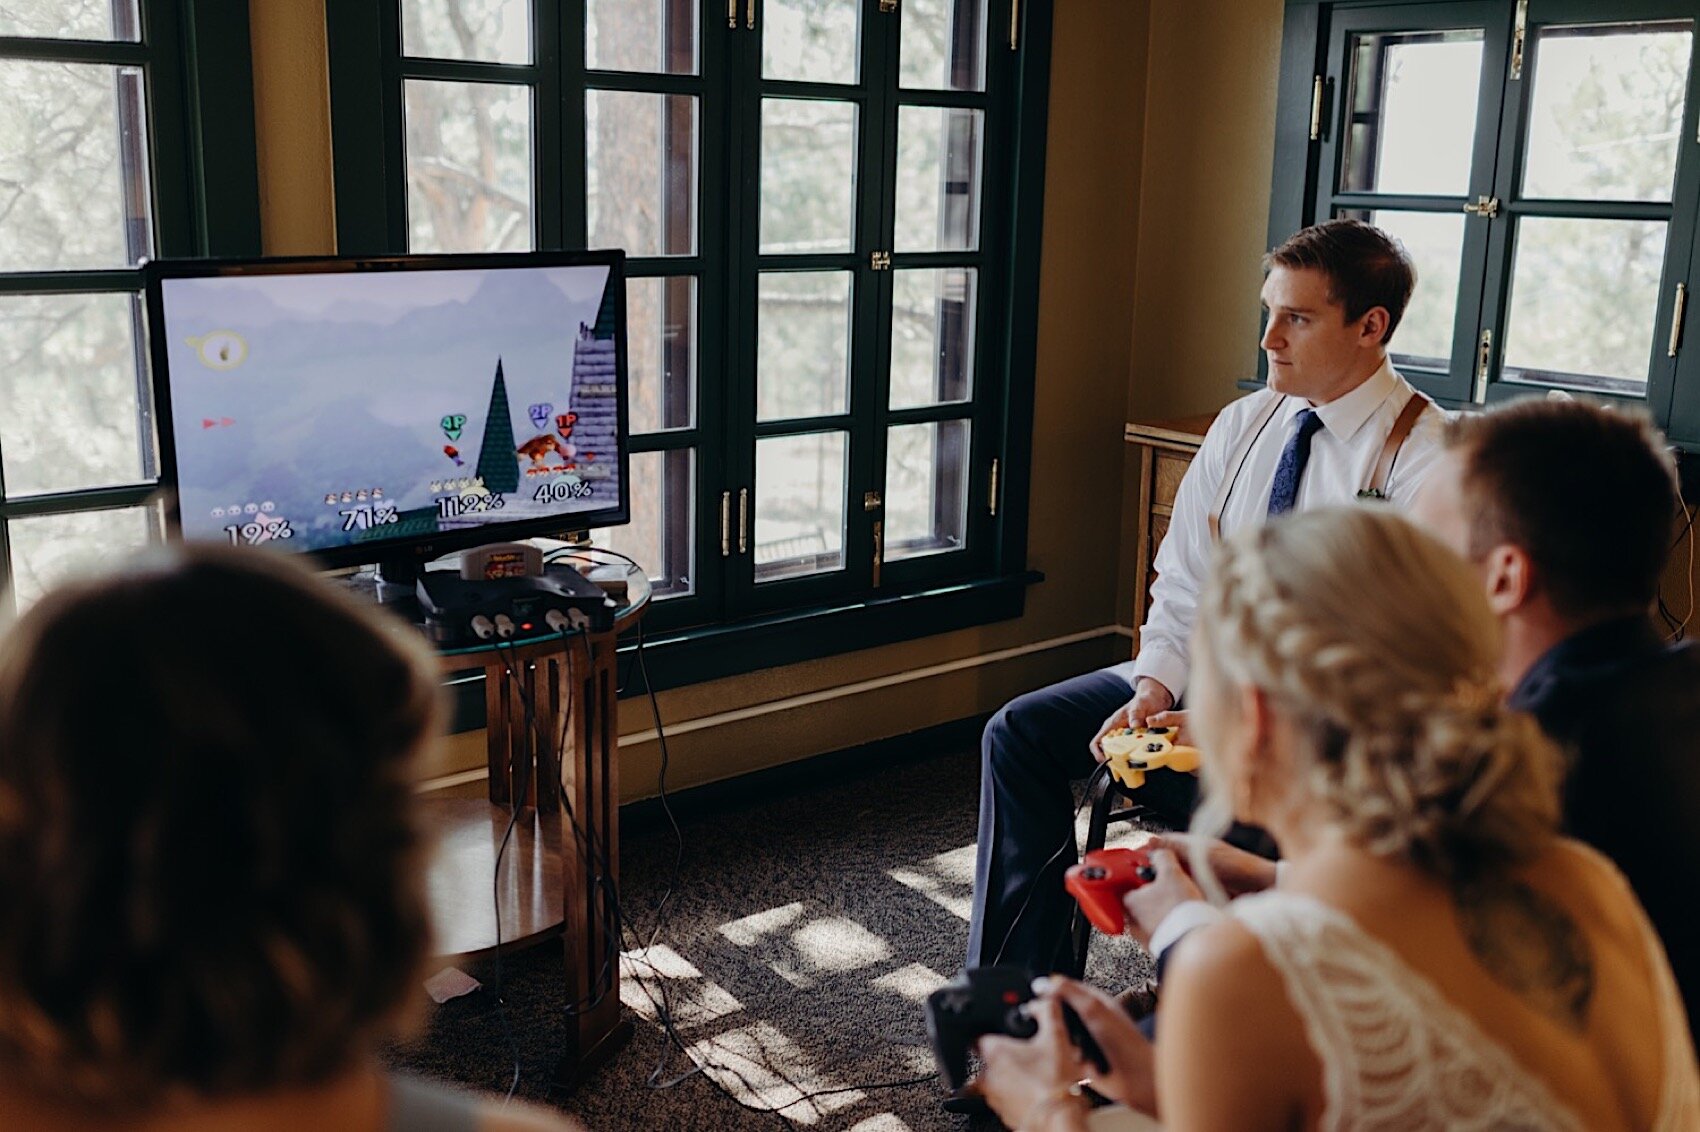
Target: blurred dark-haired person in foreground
[
  {"x": 214, "y": 906},
  {"x": 1436, "y": 956}
]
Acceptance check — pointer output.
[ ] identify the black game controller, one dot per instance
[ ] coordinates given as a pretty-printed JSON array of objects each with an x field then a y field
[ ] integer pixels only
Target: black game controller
[{"x": 991, "y": 1000}]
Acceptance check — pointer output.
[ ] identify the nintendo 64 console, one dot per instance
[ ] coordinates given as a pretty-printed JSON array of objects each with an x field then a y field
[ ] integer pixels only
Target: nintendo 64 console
[{"x": 463, "y": 611}]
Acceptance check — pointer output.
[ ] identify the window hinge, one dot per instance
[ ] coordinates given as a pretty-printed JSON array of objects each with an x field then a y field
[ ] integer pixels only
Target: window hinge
[
  {"x": 743, "y": 520},
  {"x": 992, "y": 493},
  {"x": 871, "y": 501},
  {"x": 1316, "y": 109},
  {"x": 888, "y": 6},
  {"x": 1014, "y": 23},
  {"x": 1676, "y": 318},
  {"x": 725, "y": 524},
  {"x": 1484, "y": 358},
  {"x": 879, "y": 549},
  {"x": 1484, "y": 206},
  {"x": 1519, "y": 38},
  {"x": 880, "y": 261}
]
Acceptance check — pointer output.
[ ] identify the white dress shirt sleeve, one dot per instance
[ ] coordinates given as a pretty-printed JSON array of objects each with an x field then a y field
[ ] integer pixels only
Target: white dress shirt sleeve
[
  {"x": 1182, "y": 918},
  {"x": 1183, "y": 561}
]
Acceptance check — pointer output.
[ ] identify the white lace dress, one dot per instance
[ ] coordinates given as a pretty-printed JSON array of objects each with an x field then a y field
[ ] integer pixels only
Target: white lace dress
[{"x": 1396, "y": 1055}]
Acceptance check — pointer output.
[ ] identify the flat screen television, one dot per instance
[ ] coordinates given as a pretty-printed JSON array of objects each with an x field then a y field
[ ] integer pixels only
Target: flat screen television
[{"x": 390, "y": 410}]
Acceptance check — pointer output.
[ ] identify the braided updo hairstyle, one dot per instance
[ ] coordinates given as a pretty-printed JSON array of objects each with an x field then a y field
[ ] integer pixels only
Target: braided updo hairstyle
[{"x": 1377, "y": 644}]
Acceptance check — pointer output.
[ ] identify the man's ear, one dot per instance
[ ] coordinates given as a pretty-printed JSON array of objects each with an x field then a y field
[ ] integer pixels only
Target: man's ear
[
  {"x": 1510, "y": 578},
  {"x": 1372, "y": 328}
]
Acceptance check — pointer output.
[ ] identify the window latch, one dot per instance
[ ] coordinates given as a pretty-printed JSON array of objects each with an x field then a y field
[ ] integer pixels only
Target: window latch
[
  {"x": 725, "y": 524},
  {"x": 992, "y": 492},
  {"x": 879, "y": 549},
  {"x": 1676, "y": 316},
  {"x": 1483, "y": 206},
  {"x": 743, "y": 520},
  {"x": 879, "y": 261},
  {"x": 1519, "y": 38},
  {"x": 1316, "y": 109},
  {"x": 1484, "y": 358},
  {"x": 732, "y": 14}
]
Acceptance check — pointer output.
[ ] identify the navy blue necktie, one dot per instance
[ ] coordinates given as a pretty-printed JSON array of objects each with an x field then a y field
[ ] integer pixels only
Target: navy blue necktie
[{"x": 1284, "y": 492}]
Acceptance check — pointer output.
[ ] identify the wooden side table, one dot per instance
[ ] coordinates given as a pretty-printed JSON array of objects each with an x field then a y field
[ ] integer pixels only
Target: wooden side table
[
  {"x": 1164, "y": 448},
  {"x": 552, "y": 722}
]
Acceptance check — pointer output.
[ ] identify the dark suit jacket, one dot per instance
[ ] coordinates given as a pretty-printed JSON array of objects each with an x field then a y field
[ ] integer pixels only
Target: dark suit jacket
[{"x": 1626, "y": 707}]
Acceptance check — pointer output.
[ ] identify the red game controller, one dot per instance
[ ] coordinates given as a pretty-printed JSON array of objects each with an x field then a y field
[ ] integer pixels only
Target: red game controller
[{"x": 1099, "y": 881}]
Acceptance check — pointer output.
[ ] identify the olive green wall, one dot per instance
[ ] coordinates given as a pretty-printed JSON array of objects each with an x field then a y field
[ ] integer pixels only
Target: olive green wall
[
  {"x": 1092, "y": 232},
  {"x": 1203, "y": 215}
]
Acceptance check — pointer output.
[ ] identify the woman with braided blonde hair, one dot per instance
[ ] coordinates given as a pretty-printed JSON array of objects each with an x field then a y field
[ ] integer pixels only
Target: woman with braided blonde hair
[{"x": 1435, "y": 955}]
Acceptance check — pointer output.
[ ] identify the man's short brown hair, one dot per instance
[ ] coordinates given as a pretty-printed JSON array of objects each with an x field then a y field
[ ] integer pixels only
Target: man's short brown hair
[
  {"x": 209, "y": 852},
  {"x": 1366, "y": 268},
  {"x": 1588, "y": 492}
]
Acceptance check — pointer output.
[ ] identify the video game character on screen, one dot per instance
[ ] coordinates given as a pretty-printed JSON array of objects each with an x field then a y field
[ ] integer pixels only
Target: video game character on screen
[{"x": 335, "y": 408}]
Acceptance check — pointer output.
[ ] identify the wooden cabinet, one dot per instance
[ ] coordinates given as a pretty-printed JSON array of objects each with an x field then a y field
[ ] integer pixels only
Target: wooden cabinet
[{"x": 1164, "y": 449}]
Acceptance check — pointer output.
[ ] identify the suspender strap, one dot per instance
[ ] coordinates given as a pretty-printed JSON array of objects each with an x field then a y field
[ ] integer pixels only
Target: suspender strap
[
  {"x": 1236, "y": 462},
  {"x": 1402, "y": 426}
]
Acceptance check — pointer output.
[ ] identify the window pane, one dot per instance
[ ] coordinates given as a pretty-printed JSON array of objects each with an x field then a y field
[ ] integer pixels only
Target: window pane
[
  {"x": 68, "y": 383},
  {"x": 660, "y": 534},
  {"x": 1413, "y": 112},
  {"x": 799, "y": 504},
  {"x": 1584, "y": 294},
  {"x": 943, "y": 45},
  {"x": 468, "y": 167},
  {"x": 661, "y": 321},
  {"x": 802, "y": 344},
  {"x": 1435, "y": 242},
  {"x": 73, "y": 180},
  {"x": 70, "y": 19},
  {"x": 640, "y": 171},
  {"x": 932, "y": 336},
  {"x": 810, "y": 40},
  {"x": 938, "y": 179},
  {"x": 653, "y": 36},
  {"x": 51, "y": 548},
  {"x": 490, "y": 31},
  {"x": 926, "y": 489},
  {"x": 1605, "y": 116},
  {"x": 808, "y": 175}
]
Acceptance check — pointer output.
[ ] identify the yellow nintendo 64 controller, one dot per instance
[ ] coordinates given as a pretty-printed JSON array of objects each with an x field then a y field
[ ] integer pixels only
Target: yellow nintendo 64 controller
[{"x": 1131, "y": 751}]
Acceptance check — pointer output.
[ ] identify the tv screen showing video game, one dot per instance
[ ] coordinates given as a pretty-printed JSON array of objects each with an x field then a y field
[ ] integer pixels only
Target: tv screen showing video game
[{"x": 350, "y": 407}]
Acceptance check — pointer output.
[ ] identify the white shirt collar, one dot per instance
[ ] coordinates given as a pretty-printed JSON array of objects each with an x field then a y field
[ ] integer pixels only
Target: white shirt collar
[{"x": 1344, "y": 415}]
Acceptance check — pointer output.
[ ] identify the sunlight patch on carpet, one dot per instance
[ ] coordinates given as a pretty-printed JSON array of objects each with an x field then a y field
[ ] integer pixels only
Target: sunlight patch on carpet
[
  {"x": 802, "y": 942},
  {"x": 914, "y": 982},
  {"x": 692, "y": 1000},
  {"x": 748, "y": 1063},
  {"x": 947, "y": 880}
]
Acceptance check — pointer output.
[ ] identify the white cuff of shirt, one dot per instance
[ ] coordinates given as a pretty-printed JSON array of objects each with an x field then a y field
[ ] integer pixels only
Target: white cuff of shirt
[
  {"x": 1162, "y": 666},
  {"x": 1183, "y": 918},
  {"x": 1120, "y": 1118}
]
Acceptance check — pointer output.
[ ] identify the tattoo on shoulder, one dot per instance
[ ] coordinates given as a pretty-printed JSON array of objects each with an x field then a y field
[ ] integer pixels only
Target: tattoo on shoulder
[{"x": 1530, "y": 945}]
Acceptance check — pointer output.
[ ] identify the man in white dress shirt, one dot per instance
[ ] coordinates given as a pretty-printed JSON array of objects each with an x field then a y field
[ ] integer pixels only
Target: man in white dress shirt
[{"x": 1335, "y": 423}]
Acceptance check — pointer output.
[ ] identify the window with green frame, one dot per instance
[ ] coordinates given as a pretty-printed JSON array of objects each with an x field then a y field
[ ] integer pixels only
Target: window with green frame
[
  {"x": 1539, "y": 160},
  {"x": 117, "y": 143},
  {"x": 831, "y": 214}
]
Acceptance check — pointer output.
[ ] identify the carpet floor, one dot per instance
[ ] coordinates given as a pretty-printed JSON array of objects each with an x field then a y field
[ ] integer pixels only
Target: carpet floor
[{"x": 801, "y": 938}]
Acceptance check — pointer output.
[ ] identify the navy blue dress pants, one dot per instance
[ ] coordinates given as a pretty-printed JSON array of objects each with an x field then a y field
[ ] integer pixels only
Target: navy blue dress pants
[{"x": 1032, "y": 749}]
